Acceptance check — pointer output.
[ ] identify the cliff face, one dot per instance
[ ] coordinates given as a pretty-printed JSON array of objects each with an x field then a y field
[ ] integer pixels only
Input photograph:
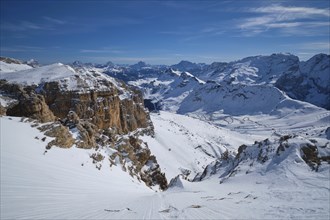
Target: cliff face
[
  {"x": 310, "y": 82},
  {"x": 105, "y": 109},
  {"x": 54, "y": 90}
]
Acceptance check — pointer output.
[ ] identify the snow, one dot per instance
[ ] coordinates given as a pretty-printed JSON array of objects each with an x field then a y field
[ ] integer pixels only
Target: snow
[
  {"x": 80, "y": 80},
  {"x": 39, "y": 75},
  {"x": 12, "y": 67},
  {"x": 35, "y": 184},
  {"x": 202, "y": 121},
  {"x": 6, "y": 101},
  {"x": 252, "y": 70},
  {"x": 182, "y": 142},
  {"x": 55, "y": 185}
]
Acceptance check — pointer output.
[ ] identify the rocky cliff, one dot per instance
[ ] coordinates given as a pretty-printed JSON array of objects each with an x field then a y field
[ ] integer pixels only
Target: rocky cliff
[
  {"x": 309, "y": 82},
  {"x": 85, "y": 109},
  {"x": 54, "y": 90}
]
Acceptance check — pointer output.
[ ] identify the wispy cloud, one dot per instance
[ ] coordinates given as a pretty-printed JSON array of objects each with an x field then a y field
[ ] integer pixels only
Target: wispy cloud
[
  {"x": 289, "y": 20},
  {"x": 315, "y": 46},
  {"x": 103, "y": 50},
  {"x": 193, "y": 33},
  {"x": 21, "y": 26},
  {"x": 45, "y": 24},
  {"x": 292, "y": 11},
  {"x": 21, "y": 48},
  {"x": 54, "y": 20},
  {"x": 195, "y": 5},
  {"x": 178, "y": 32}
]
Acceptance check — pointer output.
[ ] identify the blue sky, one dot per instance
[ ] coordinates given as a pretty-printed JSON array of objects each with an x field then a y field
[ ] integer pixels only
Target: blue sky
[{"x": 161, "y": 32}]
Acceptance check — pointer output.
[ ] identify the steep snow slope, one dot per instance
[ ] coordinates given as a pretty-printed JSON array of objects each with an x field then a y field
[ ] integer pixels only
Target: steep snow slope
[
  {"x": 35, "y": 184},
  {"x": 170, "y": 88},
  {"x": 238, "y": 99},
  {"x": 183, "y": 144},
  {"x": 61, "y": 183}
]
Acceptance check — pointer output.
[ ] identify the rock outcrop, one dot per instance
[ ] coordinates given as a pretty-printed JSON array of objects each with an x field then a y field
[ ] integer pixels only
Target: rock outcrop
[
  {"x": 10, "y": 60},
  {"x": 29, "y": 104},
  {"x": 268, "y": 156},
  {"x": 135, "y": 158},
  {"x": 61, "y": 134},
  {"x": 102, "y": 108}
]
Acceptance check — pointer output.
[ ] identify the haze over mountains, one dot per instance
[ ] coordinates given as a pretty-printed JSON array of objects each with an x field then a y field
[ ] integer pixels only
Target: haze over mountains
[{"x": 242, "y": 139}]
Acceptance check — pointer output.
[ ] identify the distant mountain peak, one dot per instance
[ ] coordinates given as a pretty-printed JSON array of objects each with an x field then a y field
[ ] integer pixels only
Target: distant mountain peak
[
  {"x": 139, "y": 65},
  {"x": 185, "y": 65}
]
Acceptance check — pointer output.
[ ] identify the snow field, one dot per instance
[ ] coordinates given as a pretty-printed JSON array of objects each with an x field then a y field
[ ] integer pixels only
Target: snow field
[{"x": 64, "y": 183}]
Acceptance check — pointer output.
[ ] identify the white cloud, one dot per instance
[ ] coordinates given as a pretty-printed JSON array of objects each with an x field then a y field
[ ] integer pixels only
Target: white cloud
[
  {"x": 54, "y": 20},
  {"x": 286, "y": 19},
  {"x": 109, "y": 50},
  {"x": 21, "y": 26},
  {"x": 292, "y": 11}
]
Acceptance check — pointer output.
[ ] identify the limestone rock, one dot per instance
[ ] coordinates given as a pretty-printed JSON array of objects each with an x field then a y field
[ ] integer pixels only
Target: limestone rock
[
  {"x": 103, "y": 108},
  {"x": 2, "y": 110},
  {"x": 33, "y": 106},
  {"x": 62, "y": 135},
  {"x": 87, "y": 135}
]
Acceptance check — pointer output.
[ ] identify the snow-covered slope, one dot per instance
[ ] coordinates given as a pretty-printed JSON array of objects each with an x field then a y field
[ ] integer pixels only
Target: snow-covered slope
[
  {"x": 238, "y": 99},
  {"x": 12, "y": 67},
  {"x": 82, "y": 79},
  {"x": 305, "y": 81},
  {"x": 39, "y": 75},
  {"x": 170, "y": 88},
  {"x": 184, "y": 144},
  {"x": 36, "y": 184},
  {"x": 59, "y": 183},
  {"x": 252, "y": 70}
]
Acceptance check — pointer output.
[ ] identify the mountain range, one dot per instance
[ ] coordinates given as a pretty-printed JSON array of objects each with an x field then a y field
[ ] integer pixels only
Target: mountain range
[{"x": 248, "y": 138}]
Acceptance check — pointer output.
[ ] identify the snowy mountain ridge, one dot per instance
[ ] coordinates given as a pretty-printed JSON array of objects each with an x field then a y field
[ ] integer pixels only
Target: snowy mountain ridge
[
  {"x": 270, "y": 155},
  {"x": 306, "y": 81},
  {"x": 68, "y": 78}
]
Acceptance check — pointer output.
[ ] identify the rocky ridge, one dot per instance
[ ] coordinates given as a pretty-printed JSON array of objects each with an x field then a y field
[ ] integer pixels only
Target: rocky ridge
[{"x": 269, "y": 155}]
